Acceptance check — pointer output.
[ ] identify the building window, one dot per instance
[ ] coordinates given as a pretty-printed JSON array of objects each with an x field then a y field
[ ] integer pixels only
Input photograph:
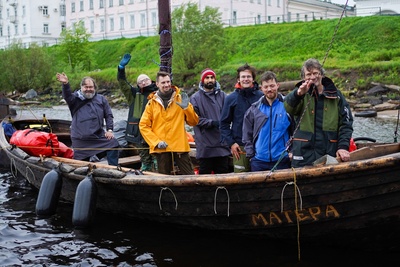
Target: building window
[
  {"x": 305, "y": 17},
  {"x": 110, "y": 3},
  {"x": 16, "y": 29},
  {"x": 92, "y": 26},
  {"x": 62, "y": 10},
  {"x": 111, "y": 24},
  {"x": 23, "y": 11},
  {"x": 234, "y": 17},
  {"x": 46, "y": 28},
  {"x": 154, "y": 19},
  {"x": 73, "y": 7},
  {"x": 121, "y": 23},
  {"x": 132, "y": 21},
  {"x": 23, "y": 28},
  {"x": 130, "y": 1},
  {"x": 121, "y": 2},
  {"x": 1, "y": 31},
  {"x": 63, "y": 26},
  {"x": 45, "y": 10},
  {"x": 297, "y": 17},
  {"x": 91, "y": 4},
  {"x": 101, "y": 4},
  {"x": 81, "y": 5},
  {"x": 278, "y": 3},
  {"x": 258, "y": 19},
  {"x": 269, "y": 2},
  {"x": 142, "y": 20},
  {"x": 102, "y": 25}
]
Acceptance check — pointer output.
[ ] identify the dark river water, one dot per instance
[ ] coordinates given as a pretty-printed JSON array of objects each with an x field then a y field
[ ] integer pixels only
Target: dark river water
[{"x": 29, "y": 240}]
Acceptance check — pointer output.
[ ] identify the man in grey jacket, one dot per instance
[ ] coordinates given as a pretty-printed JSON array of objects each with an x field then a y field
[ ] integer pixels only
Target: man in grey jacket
[
  {"x": 89, "y": 110},
  {"x": 213, "y": 156}
]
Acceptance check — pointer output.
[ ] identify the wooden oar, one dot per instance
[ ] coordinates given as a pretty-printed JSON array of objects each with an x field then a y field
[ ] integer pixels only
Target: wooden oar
[
  {"x": 81, "y": 163},
  {"x": 362, "y": 153}
]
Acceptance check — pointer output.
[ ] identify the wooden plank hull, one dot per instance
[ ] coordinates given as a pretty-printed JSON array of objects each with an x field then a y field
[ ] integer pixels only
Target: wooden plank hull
[{"x": 312, "y": 202}]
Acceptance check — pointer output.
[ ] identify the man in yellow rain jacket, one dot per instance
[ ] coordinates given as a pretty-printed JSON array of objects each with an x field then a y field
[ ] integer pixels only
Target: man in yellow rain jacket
[{"x": 162, "y": 125}]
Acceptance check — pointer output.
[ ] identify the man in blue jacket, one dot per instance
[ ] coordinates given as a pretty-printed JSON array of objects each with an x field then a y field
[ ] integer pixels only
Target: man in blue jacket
[
  {"x": 266, "y": 128},
  {"x": 231, "y": 120},
  {"x": 207, "y": 102}
]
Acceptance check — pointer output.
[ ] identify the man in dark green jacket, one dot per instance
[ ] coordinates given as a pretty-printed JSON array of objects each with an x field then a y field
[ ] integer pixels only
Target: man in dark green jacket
[
  {"x": 137, "y": 100},
  {"x": 323, "y": 117}
]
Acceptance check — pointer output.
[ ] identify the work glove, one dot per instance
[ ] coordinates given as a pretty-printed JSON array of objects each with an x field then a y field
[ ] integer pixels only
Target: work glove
[
  {"x": 215, "y": 124},
  {"x": 162, "y": 145},
  {"x": 185, "y": 100},
  {"x": 124, "y": 61}
]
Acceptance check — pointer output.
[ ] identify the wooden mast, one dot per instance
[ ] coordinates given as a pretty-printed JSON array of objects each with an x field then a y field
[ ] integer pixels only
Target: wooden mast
[{"x": 165, "y": 50}]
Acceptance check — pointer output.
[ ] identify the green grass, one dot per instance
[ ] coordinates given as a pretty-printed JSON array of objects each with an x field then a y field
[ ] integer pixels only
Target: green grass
[{"x": 367, "y": 46}]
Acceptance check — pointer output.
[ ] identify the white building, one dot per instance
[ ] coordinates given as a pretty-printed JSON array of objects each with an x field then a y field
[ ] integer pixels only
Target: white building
[
  {"x": 109, "y": 19},
  {"x": 27, "y": 22},
  {"x": 41, "y": 21},
  {"x": 377, "y": 7}
]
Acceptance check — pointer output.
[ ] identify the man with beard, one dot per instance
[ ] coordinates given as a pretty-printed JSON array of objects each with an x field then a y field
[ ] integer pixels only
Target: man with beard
[
  {"x": 323, "y": 115},
  {"x": 235, "y": 106},
  {"x": 88, "y": 111},
  {"x": 266, "y": 128},
  {"x": 163, "y": 126},
  {"x": 213, "y": 157},
  {"x": 137, "y": 100}
]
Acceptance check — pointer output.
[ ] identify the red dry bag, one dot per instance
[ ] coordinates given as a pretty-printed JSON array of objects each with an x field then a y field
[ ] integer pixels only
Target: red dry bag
[{"x": 36, "y": 143}]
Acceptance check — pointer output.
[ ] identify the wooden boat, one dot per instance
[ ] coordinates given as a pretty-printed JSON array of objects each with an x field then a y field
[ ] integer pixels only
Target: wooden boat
[{"x": 318, "y": 202}]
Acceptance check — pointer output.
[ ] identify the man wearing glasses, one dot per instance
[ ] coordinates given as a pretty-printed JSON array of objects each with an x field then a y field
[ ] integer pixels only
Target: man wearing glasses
[
  {"x": 137, "y": 100},
  {"x": 235, "y": 106},
  {"x": 324, "y": 123},
  {"x": 89, "y": 110}
]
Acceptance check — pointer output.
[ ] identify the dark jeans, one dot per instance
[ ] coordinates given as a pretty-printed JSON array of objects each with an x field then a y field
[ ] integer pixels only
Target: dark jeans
[
  {"x": 165, "y": 162},
  {"x": 112, "y": 156},
  {"x": 258, "y": 165},
  {"x": 215, "y": 164}
]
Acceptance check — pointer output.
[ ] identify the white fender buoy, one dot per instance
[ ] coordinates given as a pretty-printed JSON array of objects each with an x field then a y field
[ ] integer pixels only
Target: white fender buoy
[
  {"x": 85, "y": 202},
  {"x": 49, "y": 193}
]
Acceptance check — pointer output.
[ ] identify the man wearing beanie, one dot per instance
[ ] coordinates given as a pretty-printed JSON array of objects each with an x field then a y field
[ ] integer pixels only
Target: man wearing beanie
[
  {"x": 212, "y": 155},
  {"x": 235, "y": 106},
  {"x": 137, "y": 100},
  {"x": 163, "y": 126}
]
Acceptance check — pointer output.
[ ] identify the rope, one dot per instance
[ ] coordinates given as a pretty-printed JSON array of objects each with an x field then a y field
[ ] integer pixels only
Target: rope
[
  {"x": 215, "y": 199},
  {"x": 323, "y": 62},
  {"x": 297, "y": 190},
  {"x": 397, "y": 127},
  {"x": 334, "y": 34},
  {"x": 159, "y": 198},
  {"x": 26, "y": 173},
  {"x": 14, "y": 171}
]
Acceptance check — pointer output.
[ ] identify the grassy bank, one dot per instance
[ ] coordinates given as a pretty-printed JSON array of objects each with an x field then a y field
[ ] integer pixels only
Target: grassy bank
[{"x": 364, "y": 49}]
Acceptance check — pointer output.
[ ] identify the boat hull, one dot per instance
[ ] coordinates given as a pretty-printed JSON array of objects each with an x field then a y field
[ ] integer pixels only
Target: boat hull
[{"x": 325, "y": 202}]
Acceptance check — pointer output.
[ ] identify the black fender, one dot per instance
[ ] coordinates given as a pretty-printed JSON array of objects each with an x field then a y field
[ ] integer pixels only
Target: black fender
[
  {"x": 85, "y": 202},
  {"x": 49, "y": 193}
]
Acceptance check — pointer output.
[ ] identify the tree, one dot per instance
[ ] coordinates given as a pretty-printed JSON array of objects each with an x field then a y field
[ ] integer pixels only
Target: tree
[
  {"x": 75, "y": 47},
  {"x": 24, "y": 69},
  {"x": 198, "y": 39}
]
